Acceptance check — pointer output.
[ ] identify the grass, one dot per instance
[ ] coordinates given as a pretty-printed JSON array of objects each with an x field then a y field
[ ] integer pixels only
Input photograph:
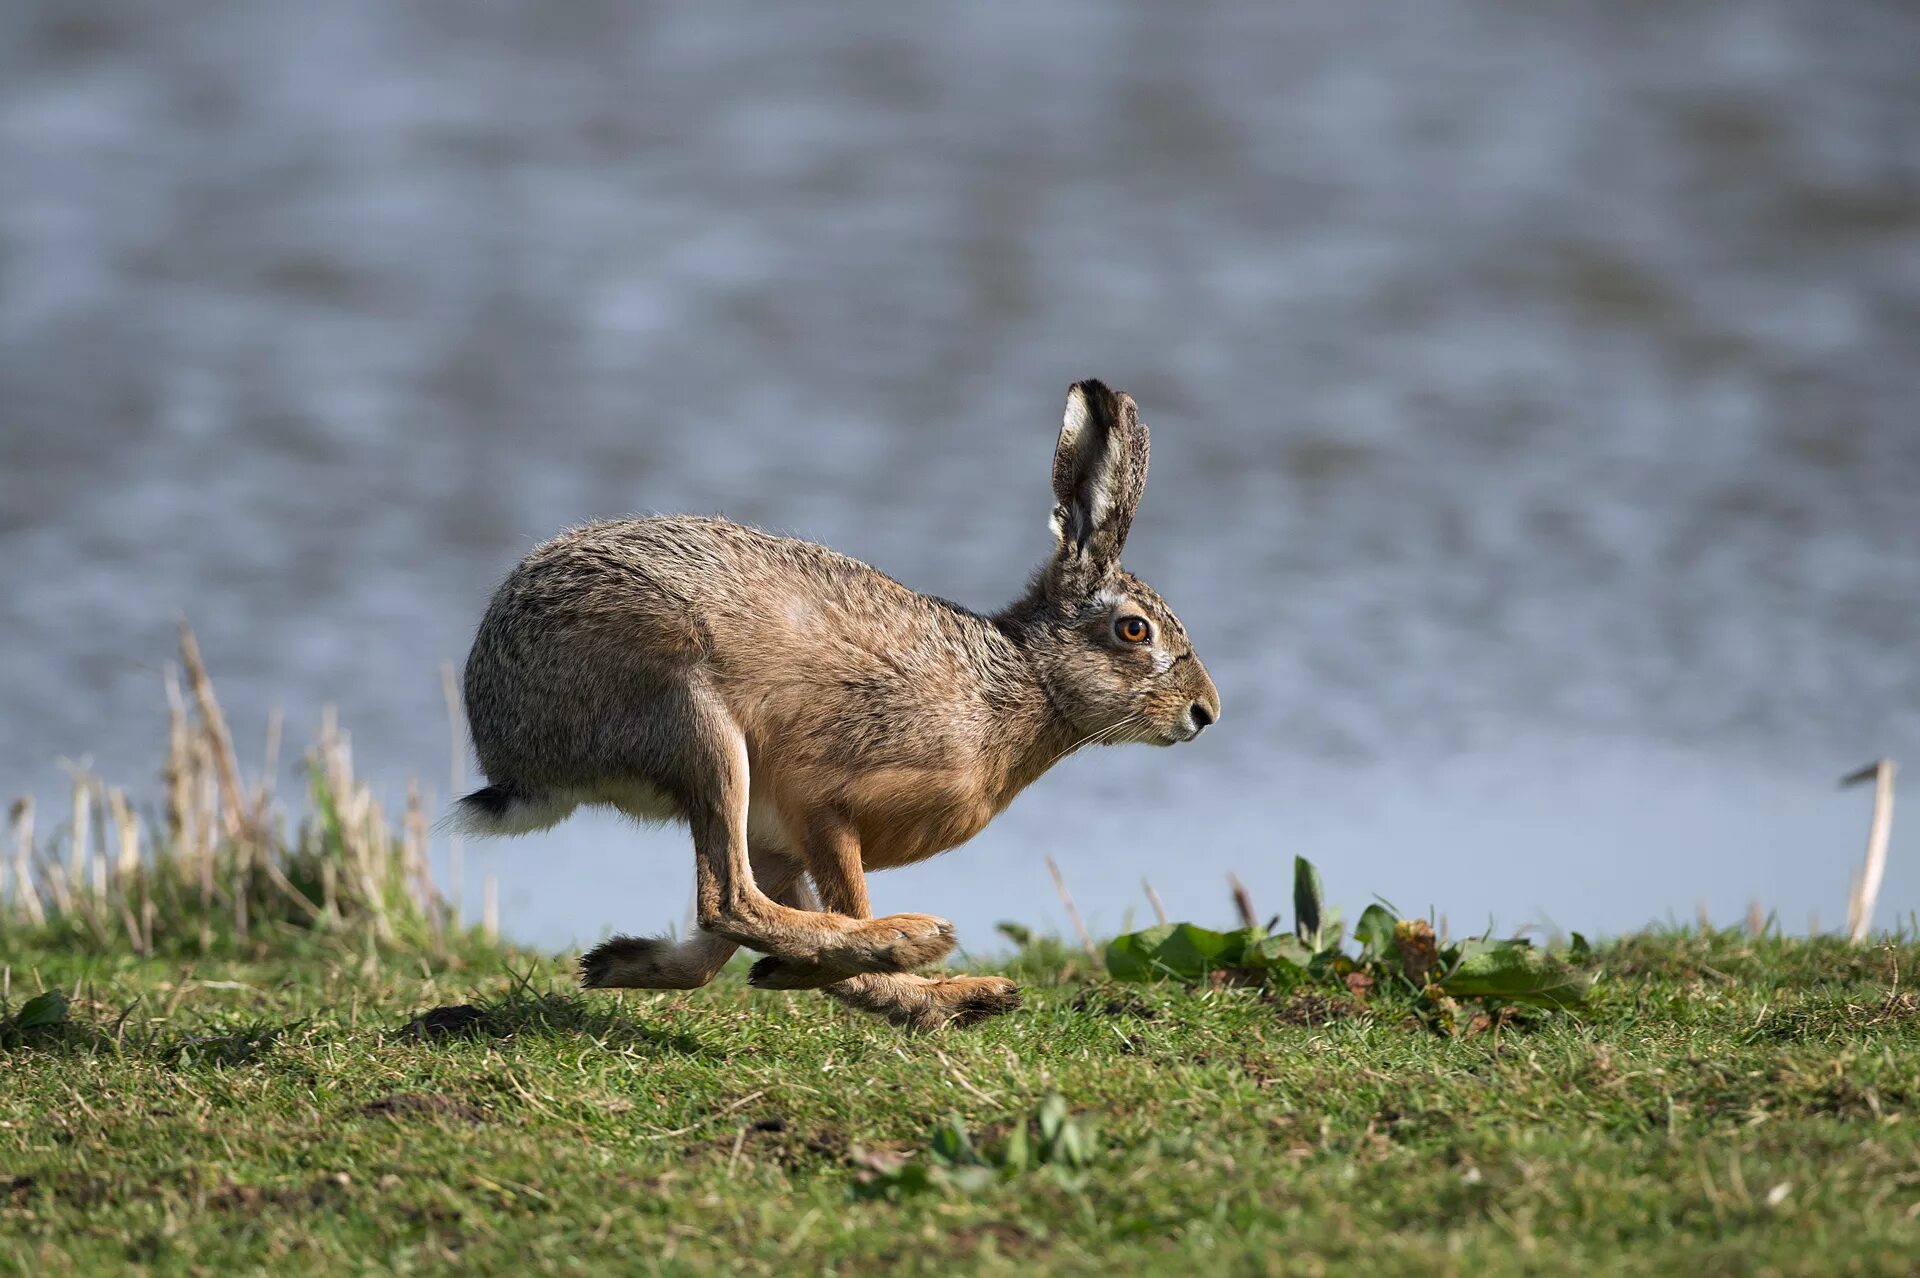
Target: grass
[
  {"x": 1727, "y": 1104},
  {"x": 233, "y": 1041}
]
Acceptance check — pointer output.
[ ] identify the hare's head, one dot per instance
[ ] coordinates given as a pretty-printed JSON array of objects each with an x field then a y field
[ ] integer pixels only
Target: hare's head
[{"x": 1115, "y": 660}]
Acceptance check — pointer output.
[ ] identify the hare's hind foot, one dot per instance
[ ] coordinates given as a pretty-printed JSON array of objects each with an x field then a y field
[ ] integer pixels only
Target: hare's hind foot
[
  {"x": 654, "y": 962},
  {"x": 818, "y": 948},
  {"x": 928, "y": 1003}
]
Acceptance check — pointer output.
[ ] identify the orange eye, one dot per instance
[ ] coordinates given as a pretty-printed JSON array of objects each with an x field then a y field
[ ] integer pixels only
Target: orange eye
[{"x": 1133, "y": 629}]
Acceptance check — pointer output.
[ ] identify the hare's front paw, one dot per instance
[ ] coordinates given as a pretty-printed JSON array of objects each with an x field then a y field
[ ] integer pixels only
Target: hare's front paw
[
  {"x": 895, "y": 943},
  {"x": 892, "y": 944},
  {"x": 900, "y": 942}
]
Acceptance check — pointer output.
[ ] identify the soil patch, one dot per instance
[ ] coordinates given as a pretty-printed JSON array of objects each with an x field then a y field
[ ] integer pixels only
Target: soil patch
[
  {"x": 463, "y": 1020},
  {"x": 417, "y": 1105}
]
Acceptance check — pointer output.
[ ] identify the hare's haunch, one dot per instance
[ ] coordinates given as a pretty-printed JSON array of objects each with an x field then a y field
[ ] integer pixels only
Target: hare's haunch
[{"x": 809, "y": 718}]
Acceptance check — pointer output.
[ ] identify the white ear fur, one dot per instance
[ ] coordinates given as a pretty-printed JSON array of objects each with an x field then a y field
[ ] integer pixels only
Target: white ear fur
[
  {"x": 1099, "y": 468},
  {"x": 1074, "y": 424},
  {"x": 1073, "y": 427},
  {"x": 1075, "y": 419}
]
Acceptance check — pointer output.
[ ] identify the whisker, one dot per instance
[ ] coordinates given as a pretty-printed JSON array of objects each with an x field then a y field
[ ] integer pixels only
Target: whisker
[{"x": 1102, "y": 735}]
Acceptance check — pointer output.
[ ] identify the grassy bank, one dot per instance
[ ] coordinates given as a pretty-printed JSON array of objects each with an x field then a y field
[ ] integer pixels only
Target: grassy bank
[
  {"x": 236, "y": 1037},
  {"x": 1727, "y": 1105}
]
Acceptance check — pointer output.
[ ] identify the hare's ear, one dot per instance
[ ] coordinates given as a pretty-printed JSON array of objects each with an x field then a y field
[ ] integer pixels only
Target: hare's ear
[{"x": 1099, "y": 472}]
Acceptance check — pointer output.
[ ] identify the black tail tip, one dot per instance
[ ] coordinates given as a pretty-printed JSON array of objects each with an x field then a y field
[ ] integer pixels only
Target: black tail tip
[{"x": 493, "y": 800}]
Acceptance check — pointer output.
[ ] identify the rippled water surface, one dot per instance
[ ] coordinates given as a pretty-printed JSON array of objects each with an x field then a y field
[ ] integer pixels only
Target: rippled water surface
[{"x": 1537, "y": 452}]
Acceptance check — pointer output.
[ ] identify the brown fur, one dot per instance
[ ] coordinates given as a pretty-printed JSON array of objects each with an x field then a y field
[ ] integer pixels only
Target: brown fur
[{"x": 799, "y": 710}]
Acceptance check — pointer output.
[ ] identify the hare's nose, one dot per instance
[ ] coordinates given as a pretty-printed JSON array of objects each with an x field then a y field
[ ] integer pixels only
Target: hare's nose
[{"x": 1201, "y": 717}]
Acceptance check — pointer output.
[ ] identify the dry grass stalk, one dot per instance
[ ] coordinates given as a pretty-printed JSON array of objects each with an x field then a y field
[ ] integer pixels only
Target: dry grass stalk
[
  {"x": 221, "y": 862},
  {"x": 269, "y": 766},
  {"x": 213, "y": 725},
  {"x": 1866, "y": 883},
  {"x": 79, "y": 830},
  {"x": 418, "y": 867},
  {"x": 1243, "y": 903},
  {"x": 25, "y": 894},
  {"x": 1153, "y": 899},
  {"x": 178, "y": 774},
  {"x": 126, "y": 832},
  {"x": 1073, "y": 911},
  {"x": 456, "y": 785}
]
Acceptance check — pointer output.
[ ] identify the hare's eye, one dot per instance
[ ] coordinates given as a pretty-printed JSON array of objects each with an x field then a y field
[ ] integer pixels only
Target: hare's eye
[{"x": 1133, "y": 629}]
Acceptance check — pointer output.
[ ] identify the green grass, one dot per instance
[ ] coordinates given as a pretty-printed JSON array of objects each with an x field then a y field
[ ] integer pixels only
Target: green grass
[{"x": 1727, "y": 1105}]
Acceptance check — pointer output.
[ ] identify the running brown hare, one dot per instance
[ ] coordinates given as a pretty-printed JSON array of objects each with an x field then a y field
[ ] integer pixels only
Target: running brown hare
[{"x": 809, "y": 717}]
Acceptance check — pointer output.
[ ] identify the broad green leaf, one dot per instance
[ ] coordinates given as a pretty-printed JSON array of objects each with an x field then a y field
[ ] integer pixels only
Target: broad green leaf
[
  {"x": 1309, "y": 900},
  {"x": 1075, "y": 1146},
  {"x": 1279, "y": 952},
  {"x": 1131, "y": 957},
  {"x": 1063, "y": 1141},
  {"x": 951, "y": 1143},
  {"x": 1332, "y": 928},
  {"x": 1182, "y": 951},
  {"x": 42, "y": 1011},
  {"x": 1191, "y": 952},
  {"x": 968, "y": 1180},
  {"x": 1053, "y": 1115},
  {"x": 1018, "y": 1155},
  {"x": 1242, "y": 948},
  {"x": 1474, "y": 946},
  {"x": 1515, "y": 972},
  {"x": 1374, "y": 931}
]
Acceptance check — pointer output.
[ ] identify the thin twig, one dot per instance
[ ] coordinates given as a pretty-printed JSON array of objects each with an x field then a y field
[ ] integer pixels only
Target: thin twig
[
  {"x": 1243, "y": 902},
  {"x": 23, "y": 885},
  {"x": 1066, "y": 899},
  {"x": 291, "y": 890},
  {"x": 214, "y": 724},
  {"x": 457, "y": 783},
  {"x": 722, "y": 1112},
  {"x": 739, "y": 1140},
  {"x": 966, "y": 1084},
  {"x": 82, "y": 823},
  {"x": 269, "y": 769},
  {"x": 1879, "y": 832},
  {"x": 1153, "y": 899}
]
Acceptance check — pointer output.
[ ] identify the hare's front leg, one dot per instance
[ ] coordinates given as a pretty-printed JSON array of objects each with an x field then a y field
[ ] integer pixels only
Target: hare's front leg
[
  {"x": 916, "y": 1002},
  {"x": 730, "y": 904}
]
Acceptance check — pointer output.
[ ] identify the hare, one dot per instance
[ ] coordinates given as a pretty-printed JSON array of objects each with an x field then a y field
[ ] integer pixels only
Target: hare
[{"x": 808, "y": 717}]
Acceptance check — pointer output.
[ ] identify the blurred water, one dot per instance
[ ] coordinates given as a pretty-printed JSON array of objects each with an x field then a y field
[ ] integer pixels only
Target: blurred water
[{"x": 1533, "y": 392}]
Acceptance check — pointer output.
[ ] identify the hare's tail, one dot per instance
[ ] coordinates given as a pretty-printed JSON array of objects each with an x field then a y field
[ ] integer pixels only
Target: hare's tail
[{"x": 499, "y": 809}]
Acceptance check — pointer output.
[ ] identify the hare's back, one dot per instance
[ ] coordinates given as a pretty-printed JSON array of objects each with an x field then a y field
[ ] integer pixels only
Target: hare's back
[{"x": 684, "y": 588}]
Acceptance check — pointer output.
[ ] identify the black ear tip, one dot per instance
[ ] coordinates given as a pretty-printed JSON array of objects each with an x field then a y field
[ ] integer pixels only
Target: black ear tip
[{"x": 1102, "y": 403}]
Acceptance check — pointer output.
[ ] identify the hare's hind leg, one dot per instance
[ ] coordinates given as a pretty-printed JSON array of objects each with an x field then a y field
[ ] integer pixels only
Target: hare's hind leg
[
  {"x": 664, "y": 963},
  {"x": 928, "y": 1002},
  {"x": 655, "y": 962},
  {"x": 711, "y": 781}
]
